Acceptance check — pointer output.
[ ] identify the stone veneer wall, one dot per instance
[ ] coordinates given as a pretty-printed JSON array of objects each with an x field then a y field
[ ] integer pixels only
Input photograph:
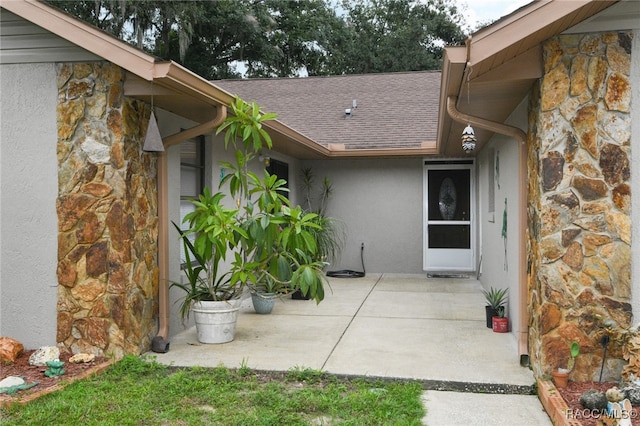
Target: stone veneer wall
[
  {"x": 107, "y": 215},
  {"x": 579, "y": 217}
]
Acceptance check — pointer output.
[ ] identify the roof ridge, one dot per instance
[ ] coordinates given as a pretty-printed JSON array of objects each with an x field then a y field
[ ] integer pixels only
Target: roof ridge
[{"x": 317, "y": 77}]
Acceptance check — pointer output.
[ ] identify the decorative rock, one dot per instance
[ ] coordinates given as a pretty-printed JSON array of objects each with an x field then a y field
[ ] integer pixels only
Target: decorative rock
[
  {"x": 552, "y": 166},
  {"x": 590, "y": 189},
  {"x": 614, "y": 395},
  {"x": 579, "y": 75},
  {"x": 10, "y": 349},
  {"x": 549, "y": 318},
  {"x": 82, "y": 358},
  {"x": 614, "y": 164},
  {"x": 550, "y": 250},
  {"x": 44, "y": 354},
  {"x": 555, "y": 87},
  {"x": 597, "y": 74},
  {"x": 567, "y": 199},
  {"x": 598, "y": 269},
  {"x": 11, "y": 381},
  {"x": 593, "y": 400},
  {"x": 632, "y": 393},
  {"x": 591, "y": 44},
  {"x": 618, "y": 96},
  {"x": 616, "y": 127},
  {"x": 584, "y": 124},
  {"x": 573, "y": 256},
  {"x": 621, "y": 196},
  {"x": 619, "y": 224},
  {"x": 593, "y": 224},
  {"x": 568, "y": 235},
  {"x": 591, "y": 242}
]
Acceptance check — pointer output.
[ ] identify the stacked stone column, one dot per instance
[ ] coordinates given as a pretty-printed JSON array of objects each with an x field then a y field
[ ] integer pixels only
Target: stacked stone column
[
  {"x": 579, "y": 234},
  {"x": 107, "y": 215}
]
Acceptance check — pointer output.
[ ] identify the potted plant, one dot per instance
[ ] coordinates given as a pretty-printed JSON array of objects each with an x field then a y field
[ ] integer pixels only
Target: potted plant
[
  {"x": 269, "y": 241},
  {"x": 495, "y": 299},
  {"x": 209, "y": 292},
  {"x": 330, "y": 233},
  {"x": 561, "y": 375},
  {"x": 500, "y": 323},
  {"x": 264, "y": 296}
]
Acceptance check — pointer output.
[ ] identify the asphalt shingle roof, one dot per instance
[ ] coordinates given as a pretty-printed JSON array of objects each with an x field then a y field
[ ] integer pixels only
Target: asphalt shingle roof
[{"x": 394, "y": 110}]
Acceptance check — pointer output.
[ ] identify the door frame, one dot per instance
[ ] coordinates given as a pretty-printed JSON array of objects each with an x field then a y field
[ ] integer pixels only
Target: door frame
[{"x": 447, "y": 164}]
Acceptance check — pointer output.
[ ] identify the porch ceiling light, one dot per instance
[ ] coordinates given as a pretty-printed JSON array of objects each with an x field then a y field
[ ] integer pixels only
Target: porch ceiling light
[{"x": 468, "y": 139}]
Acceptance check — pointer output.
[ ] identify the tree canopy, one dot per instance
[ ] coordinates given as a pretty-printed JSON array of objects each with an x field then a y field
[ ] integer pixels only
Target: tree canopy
[{"x": 282, "y": 38}]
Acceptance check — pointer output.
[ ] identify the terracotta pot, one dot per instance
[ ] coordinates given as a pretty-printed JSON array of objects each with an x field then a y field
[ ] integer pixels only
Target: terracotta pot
[
  {"x": 500, "y": 324},
  {"x": 560, "y": 378}
]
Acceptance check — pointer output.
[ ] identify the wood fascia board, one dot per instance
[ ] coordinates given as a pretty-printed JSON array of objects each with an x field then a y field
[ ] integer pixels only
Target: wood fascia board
[
  {"x": 385, "y": 152},
  {"x": 526, "y": 21},
  {"x": 176, "y": 77},
  {"x": 83, "y": 35},
  {"x": 453, "y": 66},
  {"x": 279, "y": 128}
]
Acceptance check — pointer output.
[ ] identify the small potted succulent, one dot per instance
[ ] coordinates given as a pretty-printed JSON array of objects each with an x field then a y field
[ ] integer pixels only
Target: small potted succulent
[
  {"x": 500, "y": 323},
  {"x": 496, "y": 299},
  {"x": 561, "y": 375}
]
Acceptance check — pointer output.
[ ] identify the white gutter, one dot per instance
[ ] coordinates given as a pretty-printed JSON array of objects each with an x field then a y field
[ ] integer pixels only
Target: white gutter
[{"x": 520, "y": 136}]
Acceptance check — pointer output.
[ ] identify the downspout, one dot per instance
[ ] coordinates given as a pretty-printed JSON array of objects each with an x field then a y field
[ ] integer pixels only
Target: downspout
[
  {"x": 160, "y": 342},
  {"x": 520, "y": 136}
]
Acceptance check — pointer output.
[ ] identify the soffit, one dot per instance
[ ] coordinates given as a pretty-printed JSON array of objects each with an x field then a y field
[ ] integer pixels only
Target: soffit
[{"x": 496, "y": 70}]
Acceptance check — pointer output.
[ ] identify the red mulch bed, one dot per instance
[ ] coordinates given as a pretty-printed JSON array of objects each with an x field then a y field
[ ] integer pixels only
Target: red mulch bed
[
  {"x": 571, "y": 394},
  {"x": 30, "y": 374}
]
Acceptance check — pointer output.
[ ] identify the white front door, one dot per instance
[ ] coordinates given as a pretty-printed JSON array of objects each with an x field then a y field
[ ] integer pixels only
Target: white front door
[{"x": 449, "y": 219}]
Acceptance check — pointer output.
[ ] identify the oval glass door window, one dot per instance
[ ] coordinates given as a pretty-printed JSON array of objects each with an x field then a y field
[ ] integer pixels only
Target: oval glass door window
[{"x": 448, "y": 199}]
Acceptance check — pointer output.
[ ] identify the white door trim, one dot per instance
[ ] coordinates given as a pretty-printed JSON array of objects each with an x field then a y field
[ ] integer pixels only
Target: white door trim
[{"x": 450, "y": 259}]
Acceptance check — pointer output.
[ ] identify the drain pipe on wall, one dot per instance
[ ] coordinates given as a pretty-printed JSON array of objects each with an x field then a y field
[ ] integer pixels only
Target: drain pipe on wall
[
  {"x": 521, "y": 137},
  {"x": 160, "y": 343}
]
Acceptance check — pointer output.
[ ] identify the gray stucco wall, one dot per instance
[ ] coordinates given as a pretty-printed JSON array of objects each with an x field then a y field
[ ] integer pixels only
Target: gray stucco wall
[
  {"x": 381, "y": 202},
  {"x": 500, "y": 269},
  {"x": 29, "y": 187}
]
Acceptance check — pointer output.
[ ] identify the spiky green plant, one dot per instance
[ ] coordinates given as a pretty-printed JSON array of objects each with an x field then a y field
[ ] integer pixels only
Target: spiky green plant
[{"x": 496, "y": 298}]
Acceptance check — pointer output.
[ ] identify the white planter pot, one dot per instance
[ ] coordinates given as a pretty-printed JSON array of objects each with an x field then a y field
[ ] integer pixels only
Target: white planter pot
[{"x": 216, "y": 321}]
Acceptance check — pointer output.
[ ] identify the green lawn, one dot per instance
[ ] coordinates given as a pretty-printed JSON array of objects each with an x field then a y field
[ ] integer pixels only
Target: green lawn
[{"x": 142, "y": 392}]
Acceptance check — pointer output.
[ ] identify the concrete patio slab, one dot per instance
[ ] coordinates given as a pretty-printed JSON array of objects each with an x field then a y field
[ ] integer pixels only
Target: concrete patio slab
[
  {"x": 473, "y": 409},
  {"x": 427, "y": 349},
  {"x": 263, "y": 342},
  {"x": 435, "y": 305},
  {"x": 393, "y": 326}
]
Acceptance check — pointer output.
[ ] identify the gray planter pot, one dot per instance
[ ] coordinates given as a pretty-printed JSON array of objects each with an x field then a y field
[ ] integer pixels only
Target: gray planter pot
[{"x": 263, "y": 302}]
